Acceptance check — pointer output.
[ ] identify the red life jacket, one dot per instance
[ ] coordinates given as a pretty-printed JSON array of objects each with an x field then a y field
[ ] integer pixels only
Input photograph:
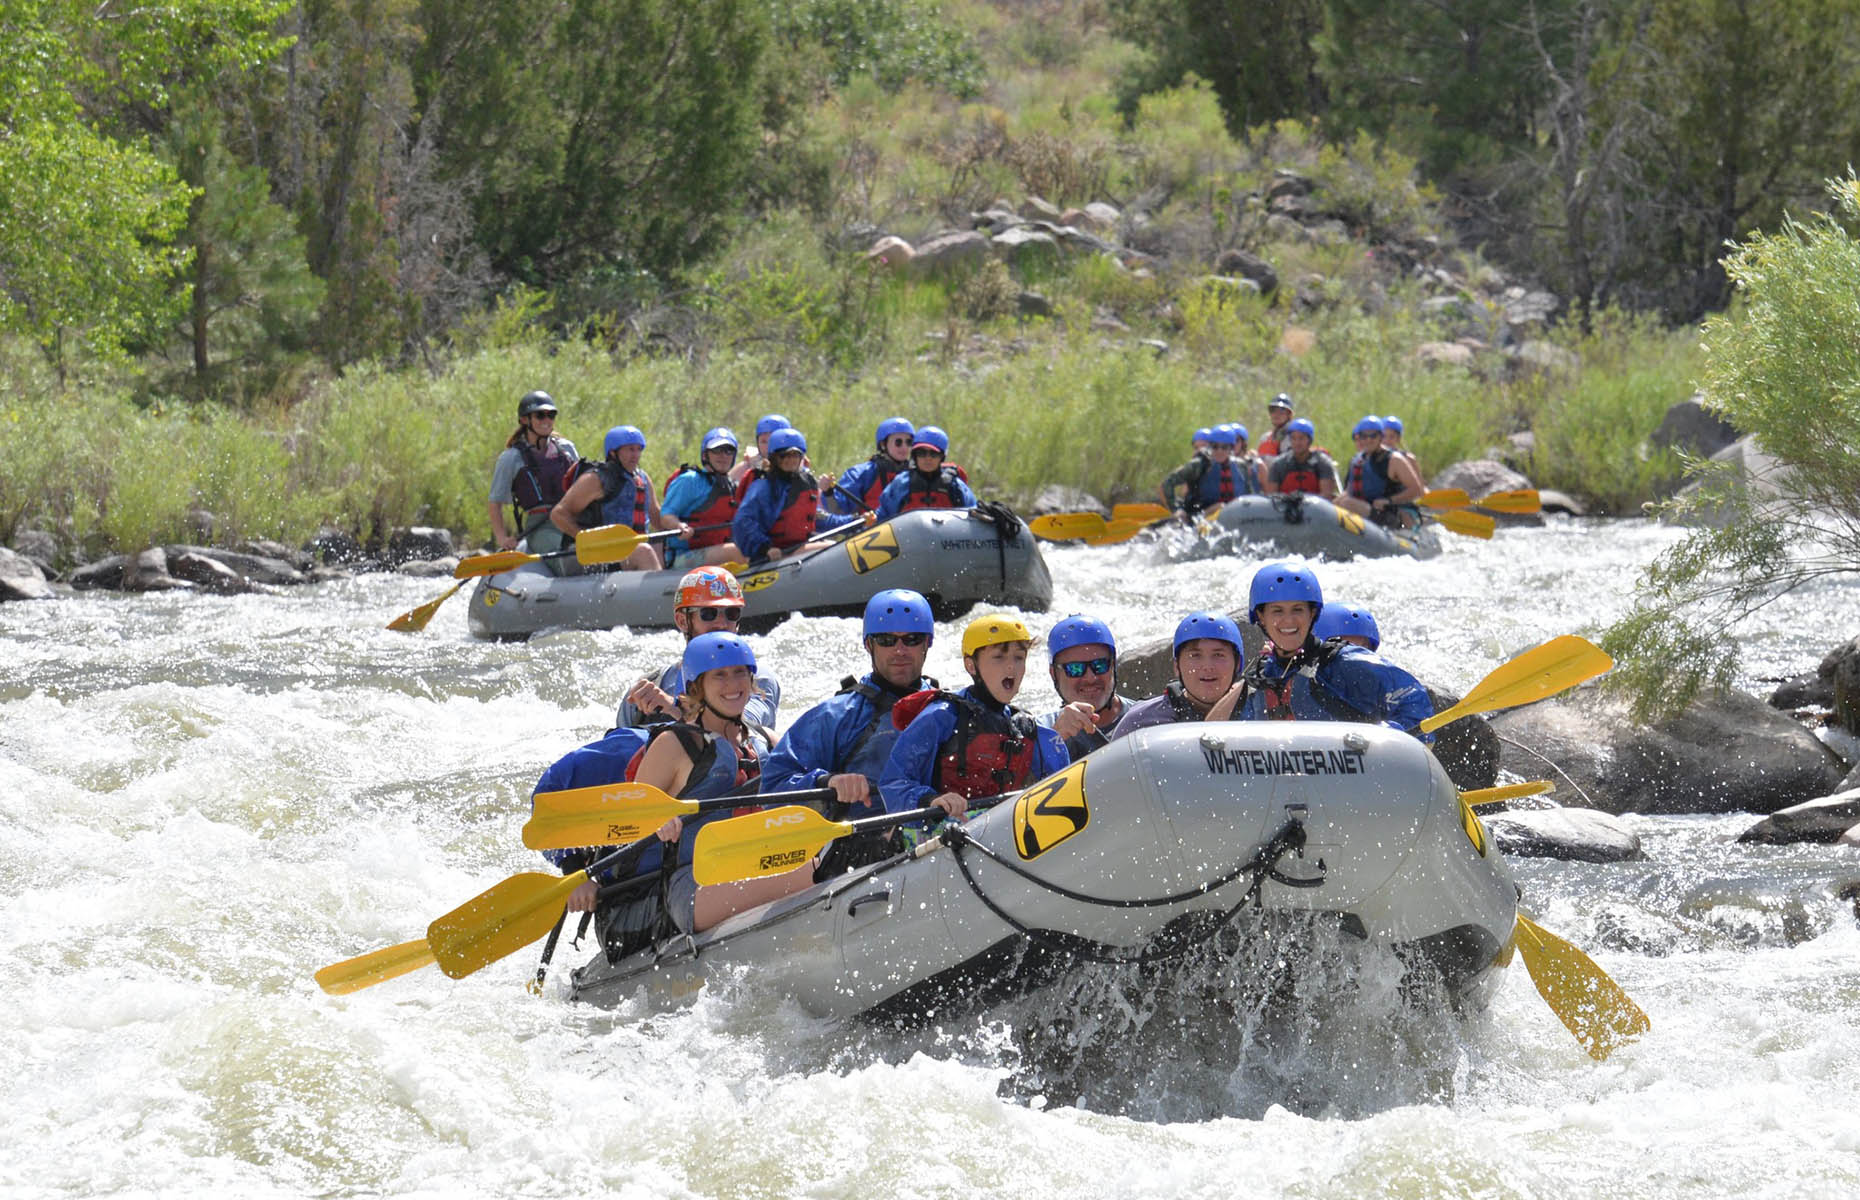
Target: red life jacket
[
  {"x": 749, "y": 477},
  {"x": 1303, "y": 477},
  {"x": 720, "y": 509},
  {"x": 884, "y": 469},
  {"x": 545, "y": 477},
  {"x": 936, "y": 491},
  {"x": 795, "y": 523},
  {"x": 989, "y": 753}
]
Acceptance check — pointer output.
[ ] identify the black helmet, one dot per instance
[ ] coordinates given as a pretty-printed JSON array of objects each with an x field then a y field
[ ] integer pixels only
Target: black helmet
[
  {"x": 1280, "y": 401},
  {"x": 535, "y": 402}
]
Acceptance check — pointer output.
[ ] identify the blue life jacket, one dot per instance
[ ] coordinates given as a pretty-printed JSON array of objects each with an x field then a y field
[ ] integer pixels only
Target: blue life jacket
[
  {"x": 1220, "y": 481},
  {"x": 1335, "y": 681},
  {"x": 715, "y": 771},
  {"x": 1368, "y": 477},
  {"x": 623, "y": 496}
]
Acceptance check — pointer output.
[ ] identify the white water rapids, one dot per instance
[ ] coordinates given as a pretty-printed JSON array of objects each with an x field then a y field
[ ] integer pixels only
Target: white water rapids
[{"x": 203, "y": 800}]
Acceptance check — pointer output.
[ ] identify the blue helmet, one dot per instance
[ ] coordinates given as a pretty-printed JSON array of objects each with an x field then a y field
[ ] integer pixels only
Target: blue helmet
[
  {"x": 1301, "y": 425},
  {"x": 711, "y": 651},
  {"x": 898, "y": 610},
  {"x": 1283, "y": 581},
  {"x": 1204, "y": 434},
  {"x": 787, "y": 439},
  {"x": 1077, "y": 630},
  {"x": 1340, "y": 620},
  {"x": 723, "y": 435},
  {"x": 1370, "y": 424},
  {"x": 894, "y": 425},
  {"x": 622, "y": 435},
  {"x": 1240, "y": 433},
  {"x": 932, "y": 437},
  {"x": 771, "y": 423},
  {"x": 1392, "y": 423},
  {"x": 1218, "y": 626},
  {"x": 1221, "y": 435}
]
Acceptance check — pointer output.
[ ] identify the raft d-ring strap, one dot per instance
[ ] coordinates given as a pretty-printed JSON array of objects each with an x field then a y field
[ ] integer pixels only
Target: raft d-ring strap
[{"x": 1263, "y": 865}]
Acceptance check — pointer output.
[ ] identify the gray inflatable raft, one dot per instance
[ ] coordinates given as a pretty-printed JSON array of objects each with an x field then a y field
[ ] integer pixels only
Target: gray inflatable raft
[
  {"x": 1355, "y": 824},
  {"x": 1314, "y": 527},
  {"x": 956, "y": 557}
]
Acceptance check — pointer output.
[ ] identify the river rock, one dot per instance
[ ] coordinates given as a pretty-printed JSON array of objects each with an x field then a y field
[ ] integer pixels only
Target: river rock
[
  {"x": 39, "y": 546},
  {"x": 948, "y": 251},
  {"x": 1691, "y": 427},
  {"x": 1041, "y": 208},
  {"x": 1721, "y": 754},
  {"x": 1479, "y": 477},
  {"x": 1058, "y": 498},
  {"x": 1825, "y": 820},
  {"x": 105, "y": 574},
  {"x": 337, "y": 546},
  {"x": 1443, "y": 354},
  {"x": 1554, "y": 501},
  {"x": 1803, "y": 691},
  {"x": 1248, "y": 266},
  {"x": 428, "y": 568},
  {"x": 21, "y": 579},
  {"x": 148, "y": 572},
  {"x": 890, "y": 251},
  {"x": 1761, "y": 474},
  {"x": 207, "y": 573},
  {"x": 266, "y": 548},
  {"x": 1571, "y": 834},
  {"x": 1841, "y": 668},
  {"x": 424, "y": 542},
  {"x": 1025, "y": 244},
  {"x": 256, "y": 568}
]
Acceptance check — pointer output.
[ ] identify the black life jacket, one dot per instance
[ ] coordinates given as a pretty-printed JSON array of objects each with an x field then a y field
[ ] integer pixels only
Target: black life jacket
[
  {"x": 933, "y": 491},
  {"x": 544, "y": 479},
  {"x": 989, "y": 752},
  {"x": 720, "y": 509}
]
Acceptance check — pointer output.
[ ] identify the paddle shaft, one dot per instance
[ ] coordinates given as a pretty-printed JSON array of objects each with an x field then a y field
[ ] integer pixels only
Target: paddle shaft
[
  {"x": 786, "y": 846},
  {"x": 603, "y": 814}
]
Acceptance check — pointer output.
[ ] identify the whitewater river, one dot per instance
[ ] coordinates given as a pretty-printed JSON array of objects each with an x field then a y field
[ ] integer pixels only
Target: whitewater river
[{"x": 203, "y": 800}]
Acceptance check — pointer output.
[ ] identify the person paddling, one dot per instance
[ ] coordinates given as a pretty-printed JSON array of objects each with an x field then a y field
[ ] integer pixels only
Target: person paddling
[
  {"x": 617, "y": 492},
  {"x": 1379, "y": 484},
  {"x": 931, "y": 482},
  {"x": 1209, "y": 657},
  {"x": 1298, "y": 677},
  {"x": 703, "y": 499},
  {"x": 781, "y": 510},
  {"x": 959, "y": 746},
  {"x": 1082, "y": 659},
  {"x": 707, "y": 600},
  {"x": 844, "y": 741},
  {"x": 861, "y": 486},
  {"x": 531, "y": 475}
]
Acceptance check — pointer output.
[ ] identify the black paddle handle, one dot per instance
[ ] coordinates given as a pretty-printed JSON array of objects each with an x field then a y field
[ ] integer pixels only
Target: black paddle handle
[{"x": 820, "y": 795}]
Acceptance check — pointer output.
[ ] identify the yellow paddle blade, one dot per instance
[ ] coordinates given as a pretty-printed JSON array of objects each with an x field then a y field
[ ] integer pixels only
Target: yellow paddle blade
[
  {"x": 500, "y": 921},
  {"x": 1064, "y": 527},
  {"x": 1467, "y": 524},
  {"x": 415, "y": 620},
  {"x": 1485, "y": 797},
  {"x": 607, "y": 543},
  {"x": 477, "y": 565},
  {"x": 1520, "y": 500},
  {"x": 1139, "y": 512},
  {"x": 1557, "y": 665},
  {"x": 1118, "y": 531},
  {"x": 1445, "y": 498},
  {"x": 765, "y": 843},
  {"x": 1582, "y": 995},
  {"x": 600, "y": 815},
  {"x": 377, "y": 966}
]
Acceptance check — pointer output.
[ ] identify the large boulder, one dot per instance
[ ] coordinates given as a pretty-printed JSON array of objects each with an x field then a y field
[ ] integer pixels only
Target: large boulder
[
  {"x": 1024, "y": 244},
  {"x": 1571, "y": 834},
  {"x": 1689, "y": 426},
  {"x": 422, "y": 543},
  {"x": 950, "y": 251},
  {"x": 207, "y": 573},
  {"x": 257, "y": 568},
  {"x": 1841, "y": 668},
  {"x": 1479, "y": 477},
  {"x": 105, "y": 573},
  {"x": 1730, "y": 753},
  {"x": 1825, "y": 820},
  {"x": 21, "y": 579},
  {"x": 39, "y": 546},
  {"x": 1763, "y": 476},
  {"x": 148, "y": 572}
]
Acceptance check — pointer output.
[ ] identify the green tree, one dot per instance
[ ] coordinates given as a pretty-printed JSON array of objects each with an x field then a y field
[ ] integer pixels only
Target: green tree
[
  {"x": 1257, "y": 54},
  {"x": 1785, "y": 365},
  {"x": 68, "y": 181}
]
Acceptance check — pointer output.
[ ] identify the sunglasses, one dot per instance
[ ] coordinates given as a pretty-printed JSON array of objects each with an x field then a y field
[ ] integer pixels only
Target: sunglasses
[
  {"x": 1365, "y": 437},
  {"x": 889, "y": 640},
  {"x": 713, "y": 613},
  {"x": 1076, "y": 670}
]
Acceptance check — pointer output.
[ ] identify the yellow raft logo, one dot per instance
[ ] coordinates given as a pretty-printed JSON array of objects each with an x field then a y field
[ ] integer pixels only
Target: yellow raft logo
[
  {"x": 1350, "y": 521},
  {"x": 872, "y": 549},
  {"x": 1474, "y": 827},
  {"x": 1050, "y": 811},
  {"x": 760, "y": 580}
]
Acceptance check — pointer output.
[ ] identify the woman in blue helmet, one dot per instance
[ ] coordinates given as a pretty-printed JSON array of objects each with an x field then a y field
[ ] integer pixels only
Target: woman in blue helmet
[
  {"x": 1208, "y": 662},
  {"x": 781, "y": 510},
  {"x": 1377, "y": 483},
  {"x": 703, "y": 498},
  {"x": 860, "y": 487},
  {"x": 931, "y": 481},
  {"x": 711, "y": 751},
  {"x": 617, "y": 492},
  {"x": 1082, "y": 659},
  {"x": 1298, "y": 677}
]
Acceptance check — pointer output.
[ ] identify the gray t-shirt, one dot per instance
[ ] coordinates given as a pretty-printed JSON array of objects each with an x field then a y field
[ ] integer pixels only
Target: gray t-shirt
[{"x": 504, "y": 473}]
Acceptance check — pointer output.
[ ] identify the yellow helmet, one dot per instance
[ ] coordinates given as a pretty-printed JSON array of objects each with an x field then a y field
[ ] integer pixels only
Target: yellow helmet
[{"x": 993, "y": 631}]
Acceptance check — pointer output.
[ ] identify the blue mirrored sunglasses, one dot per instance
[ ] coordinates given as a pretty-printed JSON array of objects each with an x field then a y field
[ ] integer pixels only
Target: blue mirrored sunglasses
[{"x": 1076, "y": 670}]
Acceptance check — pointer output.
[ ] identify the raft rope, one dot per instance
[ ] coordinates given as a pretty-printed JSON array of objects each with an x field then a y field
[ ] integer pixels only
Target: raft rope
[
  {"x": 1552, "y": 764},
  {"x": 1264, "y": 865}
]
